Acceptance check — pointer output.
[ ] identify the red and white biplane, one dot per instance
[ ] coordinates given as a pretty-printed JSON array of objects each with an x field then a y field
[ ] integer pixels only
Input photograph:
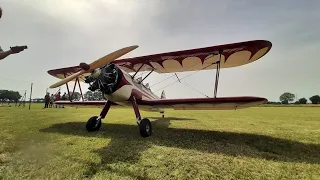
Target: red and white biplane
[{"x": 111, "y": 76}]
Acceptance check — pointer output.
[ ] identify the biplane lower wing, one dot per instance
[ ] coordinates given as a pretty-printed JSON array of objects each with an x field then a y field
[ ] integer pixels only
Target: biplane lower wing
[
  {"x": 83, "y": 103},
  {"x": 222, "y": 103}
]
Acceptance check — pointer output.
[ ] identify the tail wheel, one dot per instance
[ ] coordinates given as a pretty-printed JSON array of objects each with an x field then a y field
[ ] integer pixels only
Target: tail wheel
[
  {"x": 145, "y": 127},
  {"x": 93, "y": 124}
]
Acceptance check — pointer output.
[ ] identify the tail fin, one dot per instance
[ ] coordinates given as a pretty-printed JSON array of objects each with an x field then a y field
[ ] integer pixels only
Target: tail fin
[{"x": 163, "y": 95}]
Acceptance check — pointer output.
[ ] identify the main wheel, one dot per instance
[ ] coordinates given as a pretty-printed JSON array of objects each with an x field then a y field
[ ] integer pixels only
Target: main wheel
[
  {"x": 145, "y": 127},
  {"x": 93, "y": 124}
]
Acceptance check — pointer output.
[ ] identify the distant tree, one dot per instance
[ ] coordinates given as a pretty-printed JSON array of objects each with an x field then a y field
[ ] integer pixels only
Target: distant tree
[
  {"x": 6, "y": 95},
  {"x": 3, "y": 95},
  {"x": 75, "y": 97},
  {"x": 88, "y": 96},
  {"x": 302, "y": 101},
  {"x": 272, "y": 102},
  {"x": 286, "y": 97},
  {"x": 93, "y": 96},
  {"x": 315, "y": 99},
  {"x": 98, "y": 96}
]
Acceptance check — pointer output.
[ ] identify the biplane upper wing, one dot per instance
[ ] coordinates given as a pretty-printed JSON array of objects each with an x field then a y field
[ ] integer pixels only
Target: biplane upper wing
[
  {"x": 232, "y": 55},
  {"x": 221, "y": 103}
]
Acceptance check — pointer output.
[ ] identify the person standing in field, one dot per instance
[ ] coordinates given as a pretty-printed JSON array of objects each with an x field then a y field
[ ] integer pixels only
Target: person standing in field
[
  {"x": 57, "y": 98},
  {"x": 51, "y": 100},
  {"x": 46, "y": 100}
]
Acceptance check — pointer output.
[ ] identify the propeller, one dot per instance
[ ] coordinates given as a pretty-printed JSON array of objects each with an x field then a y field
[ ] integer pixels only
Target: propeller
[{"x": 96, "y": 64}]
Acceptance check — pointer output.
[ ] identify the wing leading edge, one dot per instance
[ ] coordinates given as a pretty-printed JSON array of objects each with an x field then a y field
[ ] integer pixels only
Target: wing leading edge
[{"x": 222, "y": 103}]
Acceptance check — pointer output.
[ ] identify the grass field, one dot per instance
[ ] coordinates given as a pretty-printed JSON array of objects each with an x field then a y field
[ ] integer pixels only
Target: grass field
[{"x": 254, "y": 143}]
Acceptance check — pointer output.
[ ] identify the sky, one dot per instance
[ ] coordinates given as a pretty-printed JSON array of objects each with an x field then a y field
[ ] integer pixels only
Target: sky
[{"x": 62, "y": 33}]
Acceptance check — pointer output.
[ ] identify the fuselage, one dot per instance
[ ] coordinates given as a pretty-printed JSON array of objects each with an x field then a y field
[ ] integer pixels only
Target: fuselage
[
  {"x": 128, "y": 87},
  {"x": 119, "y": 86}
]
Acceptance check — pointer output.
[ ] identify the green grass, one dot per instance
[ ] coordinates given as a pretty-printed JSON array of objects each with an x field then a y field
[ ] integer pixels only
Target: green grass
[
  {"x": 290, "y": 105},
  {"x": 254, "y": 143}
]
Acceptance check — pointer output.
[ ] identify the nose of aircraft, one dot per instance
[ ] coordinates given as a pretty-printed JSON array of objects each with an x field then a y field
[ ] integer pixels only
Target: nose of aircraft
[{"x": 105, "y": 79}]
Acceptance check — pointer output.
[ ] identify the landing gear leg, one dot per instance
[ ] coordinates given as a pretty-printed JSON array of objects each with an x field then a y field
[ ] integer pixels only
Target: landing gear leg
[
  {"x": 94, "y": 123},
  {"x": 144, "y": 124}
]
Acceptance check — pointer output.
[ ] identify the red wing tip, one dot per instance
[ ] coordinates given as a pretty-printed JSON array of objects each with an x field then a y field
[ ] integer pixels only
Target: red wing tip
[{"x": 263, "y": 99}]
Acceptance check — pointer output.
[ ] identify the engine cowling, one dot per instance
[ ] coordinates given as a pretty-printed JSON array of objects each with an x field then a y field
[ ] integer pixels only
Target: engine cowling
[{"x": 105, "y": 79}]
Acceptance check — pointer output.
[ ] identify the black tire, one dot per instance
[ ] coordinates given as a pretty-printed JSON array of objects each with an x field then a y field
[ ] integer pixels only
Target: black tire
[
  {"x": 92, "y": 124},
  {"x": 145, "y": 127}
]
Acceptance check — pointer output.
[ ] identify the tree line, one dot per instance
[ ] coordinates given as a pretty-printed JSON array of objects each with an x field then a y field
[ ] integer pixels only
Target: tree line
[
  {"x": 288, "y": 98},
  {"x": 9, "y": 96},
  {"x": 15, "y": 96},
  {"x": 88, "y": 96}
]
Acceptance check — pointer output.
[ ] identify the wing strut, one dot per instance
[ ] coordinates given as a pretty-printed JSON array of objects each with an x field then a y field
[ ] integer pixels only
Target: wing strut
[
  {"x": 80, "y": 89},
  {"x": 146, "y": 76},
  {"x": 137, "y": 70},
  {"x": 216, "y": 80},
  {"x": 177, "y": 77},
  {"x": 74, "y": 88},
  {"x": 217, "y": 75}
]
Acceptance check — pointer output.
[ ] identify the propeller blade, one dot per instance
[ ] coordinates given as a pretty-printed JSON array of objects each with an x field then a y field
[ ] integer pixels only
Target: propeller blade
[
  {"x": 111, "y": 57},
  {"x": 67, "y": 79},
  {"x": 97, "y": 64}
]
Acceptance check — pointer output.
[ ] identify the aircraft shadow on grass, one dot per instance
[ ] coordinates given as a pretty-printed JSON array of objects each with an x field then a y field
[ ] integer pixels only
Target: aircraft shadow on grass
[{"x": 126, "y": 138}]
